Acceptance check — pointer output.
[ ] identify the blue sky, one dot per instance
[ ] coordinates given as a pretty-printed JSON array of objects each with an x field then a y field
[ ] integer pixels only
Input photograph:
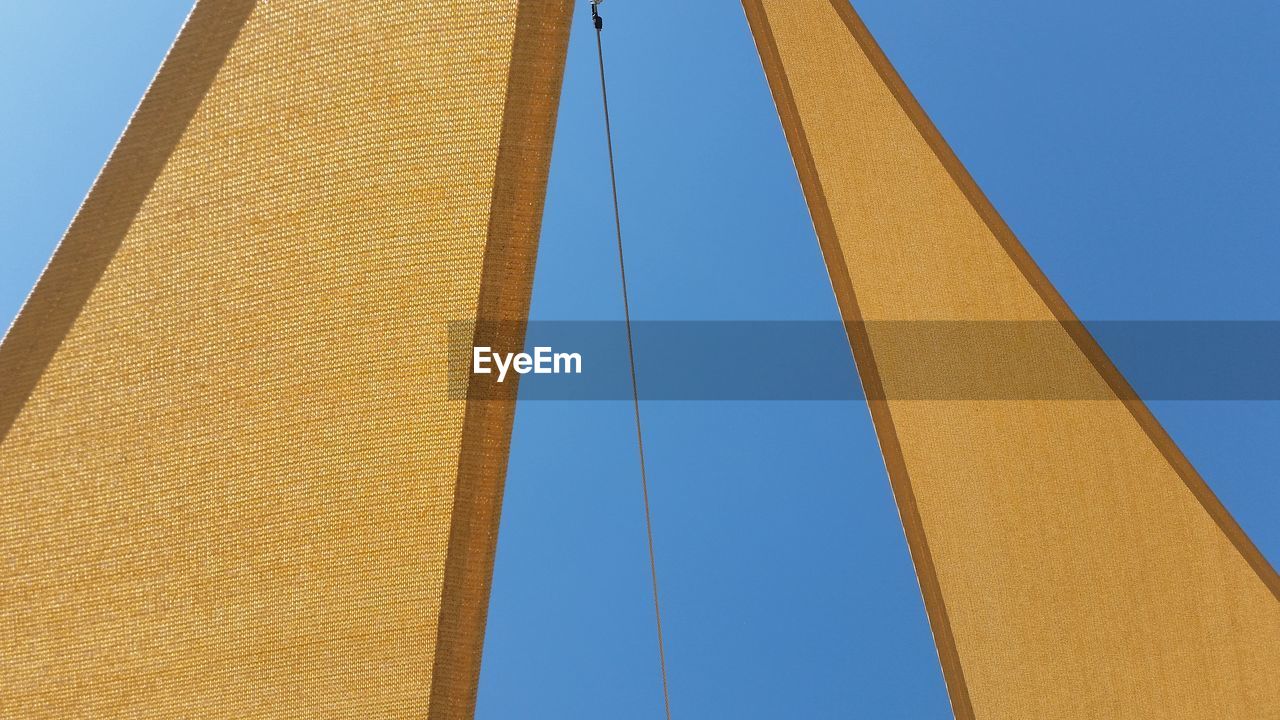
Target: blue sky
[{"x": 1132, "y": 146}]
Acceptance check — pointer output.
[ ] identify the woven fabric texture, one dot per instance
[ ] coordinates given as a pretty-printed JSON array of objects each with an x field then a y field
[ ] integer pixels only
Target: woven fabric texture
[
  {"x": 1073, "y": 563},
  {"x": 235, "y": 482}
]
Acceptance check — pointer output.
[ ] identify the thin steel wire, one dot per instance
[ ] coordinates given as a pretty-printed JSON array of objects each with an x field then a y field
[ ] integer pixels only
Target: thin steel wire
[{"x": 631, "y": 354}]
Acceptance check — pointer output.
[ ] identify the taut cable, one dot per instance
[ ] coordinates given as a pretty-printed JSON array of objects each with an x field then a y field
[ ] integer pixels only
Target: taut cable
[{"x": 631, "y": 355}]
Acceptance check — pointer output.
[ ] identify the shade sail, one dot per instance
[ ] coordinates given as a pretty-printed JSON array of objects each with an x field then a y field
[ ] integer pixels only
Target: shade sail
[
  {"x": 236, "y": 483},
  {"x": 1073, "y": 563}
]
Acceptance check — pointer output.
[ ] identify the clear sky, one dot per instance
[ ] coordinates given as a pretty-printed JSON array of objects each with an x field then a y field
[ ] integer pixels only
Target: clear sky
[{"x": 1132, "y": 146}]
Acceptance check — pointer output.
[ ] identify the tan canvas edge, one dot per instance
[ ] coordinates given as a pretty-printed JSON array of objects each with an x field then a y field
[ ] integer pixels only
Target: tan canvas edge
[
  {"x": 847, "y": 301},
  {"x": 104, "y": 217},
  {"x": 524, "y": 158}
]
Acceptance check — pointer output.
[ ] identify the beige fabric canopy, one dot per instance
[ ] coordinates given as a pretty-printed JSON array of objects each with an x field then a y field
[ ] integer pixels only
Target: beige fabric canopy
[
  {"x": 235, "y": 481},
  {"x": 1073, "y": 563}
]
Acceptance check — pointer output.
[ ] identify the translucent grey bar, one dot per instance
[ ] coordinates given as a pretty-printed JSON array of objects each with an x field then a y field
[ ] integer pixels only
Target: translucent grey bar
[{"x": 944, "y": 360}]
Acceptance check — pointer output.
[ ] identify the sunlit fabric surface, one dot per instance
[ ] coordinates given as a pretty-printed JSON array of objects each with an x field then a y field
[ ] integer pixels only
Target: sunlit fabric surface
[
  {"x": 235, "y": 483},
  {"x": 1073, "y": 563}
]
